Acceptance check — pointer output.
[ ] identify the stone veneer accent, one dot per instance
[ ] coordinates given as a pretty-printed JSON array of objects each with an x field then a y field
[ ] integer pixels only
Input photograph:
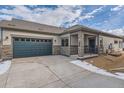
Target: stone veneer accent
[
  {"x": 65, "y": 51},
  {"x": 6, "y": 52},
  {"x": 80, "y": 44},
  {"x": 73, "y": 49},
  {"x": 56, "y": 49}
]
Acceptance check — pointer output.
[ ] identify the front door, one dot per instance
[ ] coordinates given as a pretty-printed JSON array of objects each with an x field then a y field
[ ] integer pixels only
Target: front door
[{"x": 92, "y": 45}]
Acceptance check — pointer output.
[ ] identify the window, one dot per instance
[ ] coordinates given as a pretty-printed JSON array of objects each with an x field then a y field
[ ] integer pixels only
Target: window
[
  {"x": 41, "y": 40},
  {"x": 101, "y": 42},
  {"x": 64, "y": 42},
  {"x": 120, "y": 44},
  {"x": 22, "y": 39},
  {"x": 16, "y": 39},
  {"x": 49, "y": 40},
  {"x": 27, "y": 39},
  {"x": 37, "y": 40},
  {"x": 115, "y": 42},
  {"x": 33, "y": 40},
  {"x": 45, "y": 40}
]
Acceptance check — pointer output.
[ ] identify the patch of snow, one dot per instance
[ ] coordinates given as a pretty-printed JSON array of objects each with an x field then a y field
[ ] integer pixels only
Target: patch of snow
[
  {"x": 97, "y": 70},
  {"x": 121, "y": 74},
  {"x": 4, "y": 66},
  {"x": 91, "y": 61}
]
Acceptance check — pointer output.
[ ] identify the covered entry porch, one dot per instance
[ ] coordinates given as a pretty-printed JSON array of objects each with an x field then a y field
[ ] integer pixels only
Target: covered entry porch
[{"x": 83, "y": 45}]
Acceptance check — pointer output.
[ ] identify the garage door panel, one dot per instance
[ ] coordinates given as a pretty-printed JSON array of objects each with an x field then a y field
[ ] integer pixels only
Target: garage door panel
[{"x": 31, "y": 48}]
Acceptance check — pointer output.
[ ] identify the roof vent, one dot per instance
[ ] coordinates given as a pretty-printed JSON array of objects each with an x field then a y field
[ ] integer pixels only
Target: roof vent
[{"x": 11, "y": 25}]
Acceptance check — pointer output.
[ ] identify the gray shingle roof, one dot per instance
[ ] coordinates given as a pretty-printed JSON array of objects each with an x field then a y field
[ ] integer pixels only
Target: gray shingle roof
[{"x": 31, "y": 26}]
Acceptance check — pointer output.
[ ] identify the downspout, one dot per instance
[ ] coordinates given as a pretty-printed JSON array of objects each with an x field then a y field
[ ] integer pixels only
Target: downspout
[
  {"x": 70, "y": 45},
  {"x": 1, "y": 31}
]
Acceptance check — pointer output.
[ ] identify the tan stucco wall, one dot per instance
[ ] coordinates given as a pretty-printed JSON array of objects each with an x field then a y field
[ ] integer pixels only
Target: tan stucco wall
[
  {"x": 107, "y": 40},
  {"x": 9, "y": 33},
  {"x": 74, "y": 40}
]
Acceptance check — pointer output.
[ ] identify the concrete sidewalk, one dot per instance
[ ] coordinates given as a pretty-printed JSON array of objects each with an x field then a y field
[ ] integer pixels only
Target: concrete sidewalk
[{"x": 53, "y": 71}]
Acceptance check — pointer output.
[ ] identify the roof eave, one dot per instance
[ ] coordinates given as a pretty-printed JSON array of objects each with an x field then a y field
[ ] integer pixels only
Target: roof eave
[{"x": 90, "y": 30}]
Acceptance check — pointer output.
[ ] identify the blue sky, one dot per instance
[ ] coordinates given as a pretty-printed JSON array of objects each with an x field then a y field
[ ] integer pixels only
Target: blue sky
[{"x": 105, "y": 18}]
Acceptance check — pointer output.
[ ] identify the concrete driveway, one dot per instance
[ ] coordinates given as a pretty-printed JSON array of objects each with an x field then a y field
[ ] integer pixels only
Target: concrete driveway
[{"x": 53, "y": 71}]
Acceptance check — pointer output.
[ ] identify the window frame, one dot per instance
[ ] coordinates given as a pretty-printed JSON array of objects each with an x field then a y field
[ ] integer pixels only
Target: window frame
[
  {"x": 101, "y": 42},
  {"x": 64, "y": 42}
]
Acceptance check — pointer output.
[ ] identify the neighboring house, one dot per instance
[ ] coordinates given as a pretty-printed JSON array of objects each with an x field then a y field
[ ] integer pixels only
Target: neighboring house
[{"x": 21, "y": 38}]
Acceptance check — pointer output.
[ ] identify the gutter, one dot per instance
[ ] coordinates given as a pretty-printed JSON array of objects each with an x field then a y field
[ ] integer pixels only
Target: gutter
[
  {"x": 2, "y": 36},
  {"x": 30, "y": 31}
]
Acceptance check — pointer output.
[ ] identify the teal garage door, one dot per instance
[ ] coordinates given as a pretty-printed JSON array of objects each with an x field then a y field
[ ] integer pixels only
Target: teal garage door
[{"x": 29, "y": 47}]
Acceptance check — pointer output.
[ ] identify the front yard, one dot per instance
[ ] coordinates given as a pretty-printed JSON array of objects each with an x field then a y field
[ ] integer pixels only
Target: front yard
[{"x": 108, "y": 62}]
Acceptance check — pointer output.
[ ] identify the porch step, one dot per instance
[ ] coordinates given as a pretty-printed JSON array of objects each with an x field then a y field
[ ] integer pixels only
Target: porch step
[
  {"x": 84, "y": 57},
  {"x": 88, "y": 56}
]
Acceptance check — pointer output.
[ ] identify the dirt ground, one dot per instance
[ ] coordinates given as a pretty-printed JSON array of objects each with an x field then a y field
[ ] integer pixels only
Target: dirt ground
[{"x": 108, "y": 62}]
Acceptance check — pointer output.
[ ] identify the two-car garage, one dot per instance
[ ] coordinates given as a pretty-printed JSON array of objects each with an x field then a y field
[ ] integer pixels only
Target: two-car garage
[
  {"x": 29, "y": 47},
  {"x": 21, "y": 38}
]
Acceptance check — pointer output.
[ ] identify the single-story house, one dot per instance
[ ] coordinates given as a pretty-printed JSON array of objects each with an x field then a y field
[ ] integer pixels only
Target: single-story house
[{"x": 19, "y": 38}]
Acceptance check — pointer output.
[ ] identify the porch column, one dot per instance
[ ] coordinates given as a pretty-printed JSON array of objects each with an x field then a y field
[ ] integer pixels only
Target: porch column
[{"x": 80, "y": 44}]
